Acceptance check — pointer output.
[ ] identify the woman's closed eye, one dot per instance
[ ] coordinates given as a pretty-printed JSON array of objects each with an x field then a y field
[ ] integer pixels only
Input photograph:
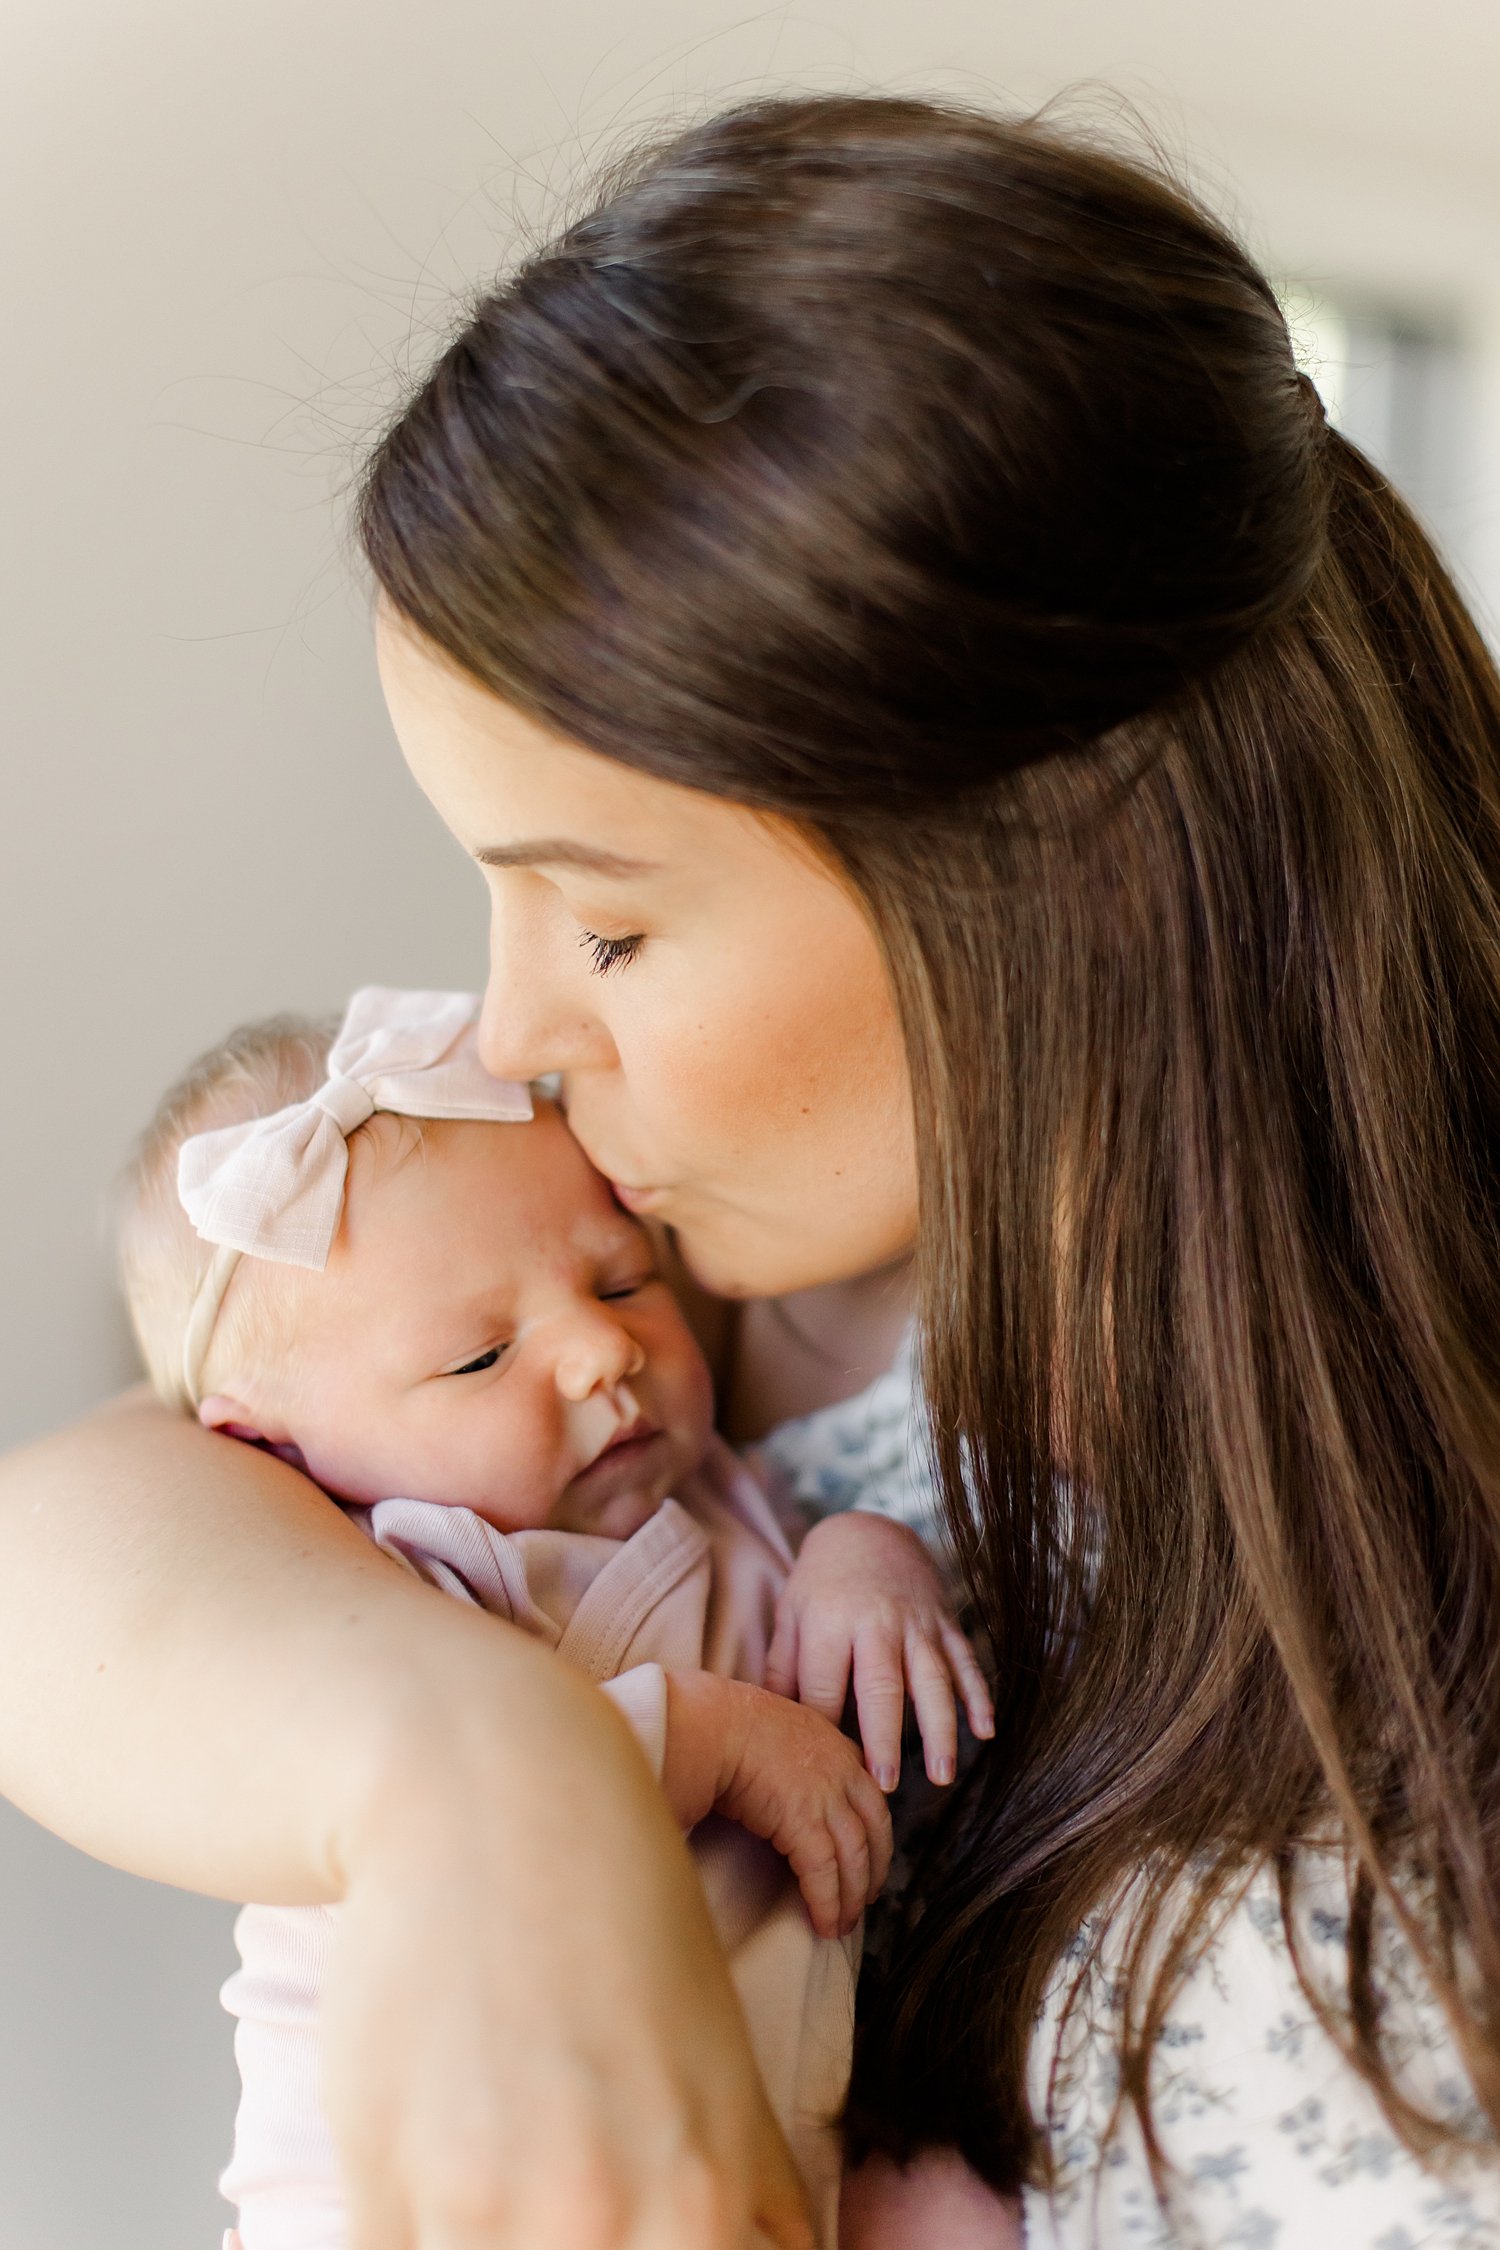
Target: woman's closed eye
[{"x": 610, "y": 952}]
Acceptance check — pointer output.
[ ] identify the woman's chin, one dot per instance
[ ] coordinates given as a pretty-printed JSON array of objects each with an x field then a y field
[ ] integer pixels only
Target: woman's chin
[
  {"x": 726, "y": 1263},
  {"x": 738, "y": 1262}
]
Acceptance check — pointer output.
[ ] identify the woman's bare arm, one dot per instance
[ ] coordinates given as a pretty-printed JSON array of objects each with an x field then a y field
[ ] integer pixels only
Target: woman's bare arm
[
  {"x": 207, "y": 1676},
  {"x": 201, "y": 1660}
]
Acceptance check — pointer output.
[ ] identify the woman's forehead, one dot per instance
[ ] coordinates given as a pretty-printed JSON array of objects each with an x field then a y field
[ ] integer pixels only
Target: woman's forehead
[{"x": 517, "y": 793}]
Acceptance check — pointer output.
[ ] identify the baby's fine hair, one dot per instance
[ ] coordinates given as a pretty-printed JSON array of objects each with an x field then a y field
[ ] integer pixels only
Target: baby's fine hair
[{"x": 260, "y": 1068}]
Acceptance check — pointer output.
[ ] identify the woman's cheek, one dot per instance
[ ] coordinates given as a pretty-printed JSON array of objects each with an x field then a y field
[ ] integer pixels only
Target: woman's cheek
[
  {"x": 718, "y": 1084},
  {"x": 680, "y": 1090}
]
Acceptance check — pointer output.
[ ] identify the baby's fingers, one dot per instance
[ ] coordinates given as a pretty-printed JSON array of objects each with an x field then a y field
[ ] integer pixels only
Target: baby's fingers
[
  {"x": 781, "y": 1657},
  {"x": 937, "y": 1713},
  {"x": 814, "y": 1860},
  {"x": 843, "y": 1855},
  {"x": 875, "y": 1813},
  {"x": 852, "y": 1845},
  {"x": 972, "y": 1684},
  {"x": 880, "y": 1700},
  {"x": 823, "y": 1660}
]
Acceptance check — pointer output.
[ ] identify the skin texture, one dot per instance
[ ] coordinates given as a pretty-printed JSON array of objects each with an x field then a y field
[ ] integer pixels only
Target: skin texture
[
  {"x": 489, "y": 1327},
  {"x": 737, "y": 1071}
]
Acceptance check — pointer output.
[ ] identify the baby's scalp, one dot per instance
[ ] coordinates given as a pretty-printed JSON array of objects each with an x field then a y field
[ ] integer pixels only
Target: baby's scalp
[{"x": 259, "y": 1069}]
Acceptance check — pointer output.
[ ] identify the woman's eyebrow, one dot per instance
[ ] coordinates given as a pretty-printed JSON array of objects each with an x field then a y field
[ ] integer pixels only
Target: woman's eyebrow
[{"x": 557, "y": 851}]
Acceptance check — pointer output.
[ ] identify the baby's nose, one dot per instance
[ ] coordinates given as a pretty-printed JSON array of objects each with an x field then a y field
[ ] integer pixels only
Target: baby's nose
[{"x": 596, "y": 1353}]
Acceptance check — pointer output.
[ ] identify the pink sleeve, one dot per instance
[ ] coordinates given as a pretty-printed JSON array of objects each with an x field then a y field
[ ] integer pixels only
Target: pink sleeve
[
  {"x": 641, "y": 1696},
  {"x": 283, "y": 2176}
]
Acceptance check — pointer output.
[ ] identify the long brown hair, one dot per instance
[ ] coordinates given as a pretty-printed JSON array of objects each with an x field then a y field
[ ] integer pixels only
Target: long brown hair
[{"x": 949, "y": 485}]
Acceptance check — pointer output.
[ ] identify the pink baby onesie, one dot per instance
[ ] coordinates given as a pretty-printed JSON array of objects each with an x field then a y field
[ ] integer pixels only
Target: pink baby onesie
[{"x": 695, "y": 1587}]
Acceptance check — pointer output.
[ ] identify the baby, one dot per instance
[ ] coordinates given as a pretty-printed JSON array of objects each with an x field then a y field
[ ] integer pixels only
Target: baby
[{"x": 363, "y": 1253}]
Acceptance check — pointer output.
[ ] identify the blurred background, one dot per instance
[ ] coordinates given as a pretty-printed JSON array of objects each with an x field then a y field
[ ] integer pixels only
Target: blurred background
[{"x": 227, "y": 234}]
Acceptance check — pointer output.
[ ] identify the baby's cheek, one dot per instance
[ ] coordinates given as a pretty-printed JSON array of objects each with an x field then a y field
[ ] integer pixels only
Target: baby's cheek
[
  {"x": 517, "y": 1460},
  {"x": 684, "y": 1384},
  {"x": 355, "y": 1462}
]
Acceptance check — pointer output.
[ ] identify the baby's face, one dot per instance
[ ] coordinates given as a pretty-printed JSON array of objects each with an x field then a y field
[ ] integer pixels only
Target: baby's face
[{"x": 490, "y": 1332}]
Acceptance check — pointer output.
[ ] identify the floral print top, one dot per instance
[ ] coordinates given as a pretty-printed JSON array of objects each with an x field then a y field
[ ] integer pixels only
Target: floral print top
[
  {"x": 1271, "y": 2139},
  {"x": 868, "y": 1452}
]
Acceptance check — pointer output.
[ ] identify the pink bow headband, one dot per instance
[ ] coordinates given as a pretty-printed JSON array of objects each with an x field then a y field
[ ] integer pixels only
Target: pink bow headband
[{"x": 273, "y": 1187}]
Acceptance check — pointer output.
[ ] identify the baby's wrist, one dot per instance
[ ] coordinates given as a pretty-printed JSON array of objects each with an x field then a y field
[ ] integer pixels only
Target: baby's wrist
[{"x": 707, "y": 1720}]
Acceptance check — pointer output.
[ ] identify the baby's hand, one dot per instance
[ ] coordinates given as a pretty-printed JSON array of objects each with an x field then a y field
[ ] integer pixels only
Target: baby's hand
[
  {"x": 866, "y": 1597},
  {"x": 786, "y": 1774}
]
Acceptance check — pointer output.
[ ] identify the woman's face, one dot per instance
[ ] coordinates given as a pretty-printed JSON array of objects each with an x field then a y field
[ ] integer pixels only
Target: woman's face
[{"x": 709, "y": 989}]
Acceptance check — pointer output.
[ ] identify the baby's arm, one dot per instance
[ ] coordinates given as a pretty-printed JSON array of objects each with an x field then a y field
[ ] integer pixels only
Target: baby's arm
[
  {"x": 865, "y": 1601},
  {"x": 785, "y": 1773}
]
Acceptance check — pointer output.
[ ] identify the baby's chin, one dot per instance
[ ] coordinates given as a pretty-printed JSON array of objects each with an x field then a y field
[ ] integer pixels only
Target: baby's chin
[
  {"x": 623, "y": 1516},
  {"x": 623, "y": 1488},
  {"x": 620, "y": 1515},
  {"x": 616, "y": 1495}
]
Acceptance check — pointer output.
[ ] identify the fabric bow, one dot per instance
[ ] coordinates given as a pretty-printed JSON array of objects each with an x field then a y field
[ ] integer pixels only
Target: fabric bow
[{"x": 273, "y": 1187}]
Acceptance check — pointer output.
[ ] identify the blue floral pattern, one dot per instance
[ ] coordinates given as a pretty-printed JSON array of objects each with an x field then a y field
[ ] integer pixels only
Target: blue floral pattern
[
  {"x": 868, "y": 1452},
  {"x": 1272, "y": 2141}
]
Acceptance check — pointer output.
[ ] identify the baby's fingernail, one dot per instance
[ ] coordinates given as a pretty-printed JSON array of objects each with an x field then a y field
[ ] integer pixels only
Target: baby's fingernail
[
  {"x": 984, "y": 1728},
  {"x": 941, "y": 1770},
  {"x": 886, "y": 1777}
]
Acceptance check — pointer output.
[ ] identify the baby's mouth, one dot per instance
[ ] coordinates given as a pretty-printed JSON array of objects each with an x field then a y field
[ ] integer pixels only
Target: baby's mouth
[
  {"x": 624, "y": 1452},
  {"x": 624, "y": 1449},
  {"x": 631, "y": 1434}
]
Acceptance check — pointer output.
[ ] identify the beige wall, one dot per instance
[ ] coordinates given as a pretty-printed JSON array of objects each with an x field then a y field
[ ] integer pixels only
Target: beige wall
[{"x": 224, "y": 229}]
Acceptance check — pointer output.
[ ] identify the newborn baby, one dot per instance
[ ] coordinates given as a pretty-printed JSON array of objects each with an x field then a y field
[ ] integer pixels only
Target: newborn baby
[{"x": 403, "y": 1276}]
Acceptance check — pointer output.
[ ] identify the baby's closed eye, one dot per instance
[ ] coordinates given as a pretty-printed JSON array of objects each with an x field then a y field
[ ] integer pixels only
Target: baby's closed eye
[{"x": 478, "y": 1366}]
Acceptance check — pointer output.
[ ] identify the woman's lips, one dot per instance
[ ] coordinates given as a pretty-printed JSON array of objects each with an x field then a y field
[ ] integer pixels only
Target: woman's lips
[{"x": 636, "y": 1200}]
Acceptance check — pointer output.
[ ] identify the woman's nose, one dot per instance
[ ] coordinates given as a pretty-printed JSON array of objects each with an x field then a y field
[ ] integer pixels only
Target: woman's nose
[
  {"x": 595, "y": 1351},
  {"x": 529, "y": 1023},
  {"x": 512, "y": 1044}
]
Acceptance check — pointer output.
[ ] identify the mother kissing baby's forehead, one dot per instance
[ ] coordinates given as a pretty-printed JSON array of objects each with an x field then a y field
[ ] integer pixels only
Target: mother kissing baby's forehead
[{"x": 353, "y": 1247}]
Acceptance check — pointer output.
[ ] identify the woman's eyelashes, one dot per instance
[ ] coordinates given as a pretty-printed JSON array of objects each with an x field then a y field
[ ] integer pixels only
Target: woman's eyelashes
[{"x": 609, "y": 952}]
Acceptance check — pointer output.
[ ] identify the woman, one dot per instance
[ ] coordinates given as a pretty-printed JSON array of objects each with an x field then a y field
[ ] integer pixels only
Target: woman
[{"x": 962, "y": 757}]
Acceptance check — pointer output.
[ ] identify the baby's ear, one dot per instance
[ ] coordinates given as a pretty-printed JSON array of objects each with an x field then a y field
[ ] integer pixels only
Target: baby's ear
[{"x": 232, "y": 1418}]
